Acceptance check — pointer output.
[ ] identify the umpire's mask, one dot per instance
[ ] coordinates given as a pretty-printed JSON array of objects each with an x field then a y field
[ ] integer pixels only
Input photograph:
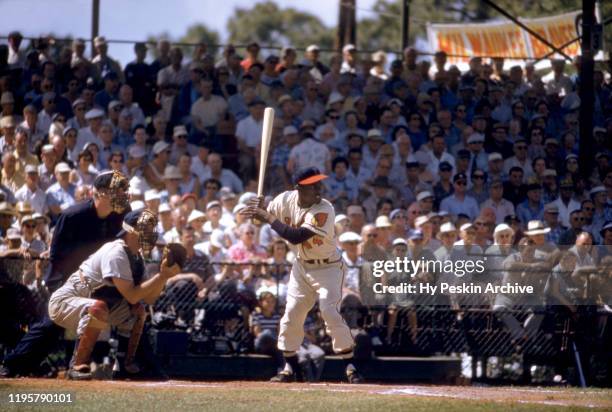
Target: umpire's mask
[{"x": 115, "y": 185}]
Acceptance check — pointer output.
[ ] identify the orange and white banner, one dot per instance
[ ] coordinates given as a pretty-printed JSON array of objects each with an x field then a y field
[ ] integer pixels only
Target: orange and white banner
[{"x": 504, "y": 38}]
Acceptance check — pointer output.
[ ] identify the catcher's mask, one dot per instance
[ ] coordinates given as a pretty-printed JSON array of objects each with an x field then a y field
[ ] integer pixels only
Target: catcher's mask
[
  {"x": 144, "y": 224},
  {"x": 114, "y": 185}
]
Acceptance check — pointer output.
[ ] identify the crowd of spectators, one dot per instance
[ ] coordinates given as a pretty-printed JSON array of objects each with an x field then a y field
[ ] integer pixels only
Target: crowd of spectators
[{"x": 421, "y": 157}]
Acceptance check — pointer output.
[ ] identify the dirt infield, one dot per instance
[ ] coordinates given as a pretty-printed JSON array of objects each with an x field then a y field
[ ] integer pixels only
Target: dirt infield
[{"x": 263, "y": 395}]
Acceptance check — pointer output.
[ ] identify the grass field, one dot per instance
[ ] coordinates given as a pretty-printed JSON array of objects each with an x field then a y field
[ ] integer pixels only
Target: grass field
[{"x": 174, "y": 396}]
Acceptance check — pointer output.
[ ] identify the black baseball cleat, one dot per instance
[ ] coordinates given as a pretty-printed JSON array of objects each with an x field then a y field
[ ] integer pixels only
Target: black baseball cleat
[
  {"x": 83, "y": 374},
  {"x": 354, "y": 377},
  {"x": 284, "y": 377}
]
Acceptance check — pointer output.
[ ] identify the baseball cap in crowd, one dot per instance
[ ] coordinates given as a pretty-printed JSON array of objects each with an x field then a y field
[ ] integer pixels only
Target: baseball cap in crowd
[
  {"x": 195, "y": 215},
  {"x": 597, "y": 189},
  {"x": 48, "y": 148},
  {"x": 493, "y": 157},
  {"x": 445, "y": 167},
  {"x": 289, "y": 130},
  {"x": 415, "y": 234},
  {"x": 94, "y": 113},
  {"x": 78, "y": 102},
  {"x": 424, "y": 195},
  {"x": 410, "y": 164},
  {"x": 424, "y": 98},
  {"x": 476, "y": 138},
  {"x": 607, "y": 226},
  {"x": 349, "y": 48},
  {"x": 213, "y": 203},
  {"x": 114, "y": 104},
  {"x": 68, "y": 129},
  {"x": 307, "y": 124},
  {"x": 137, "y": 152},
  {"x": 164, "y": 208},
  {"x": 13, "y": 234},
  {"x": 459, "y": 176},
  {"x": 7, "y": 98},
  {"x": 551, "y": 208},
  {"x": 312, "y": 48},
  {"x": 62, "y": 167},
  {"x": 349, "y": 237},
  {"x": 151, "y": 194},
  {"x": 246, "y": 197},
  {"x": 382, "y": 222},
  {"x": 566, "y": 183},
  {"x": 238, "y": 208},
  {"x": 37, "y": 216},
  {"x": 447, "y": 227},
  {"x": 334, "y": 97},
  {"x": 375, "y": 134},
  {"x": 308, "y": 176},
  {"x": 551, "y": 140},
  {"x": 340, "y": 218},
  {"x": 284, "y": 98},
  {"x": 160, "y": 147},
  {"x": 502, "y": 227},
  {"x": 466, "y": 226},
  {"x": 7, "y": 121},
  {"x": 354, "y": 210},
  {"x": 571, "y": 156},
  {"x": 421, "y": 220},
  {"x": 533, "y": 186},
  {"x": 179, "y": 130},
  {"x": 536, "y": 227},
  {"x": 226, "y": 194},
  {"x": 395, "y": 213},
  {"x": 599, "y": 155},
  {"x": 172, "y": 172},
  {"x": 549, "y": 172},
  {"x": 137, "y": 205},
  {"x": 31, "y": 169},
  {"x": 399, "y": 241}
]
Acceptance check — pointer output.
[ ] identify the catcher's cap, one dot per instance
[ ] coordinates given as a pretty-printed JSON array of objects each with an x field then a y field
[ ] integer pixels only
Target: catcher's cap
[
  {"x": 129, "y": 222},
  {"x": 308, "y": 176}
]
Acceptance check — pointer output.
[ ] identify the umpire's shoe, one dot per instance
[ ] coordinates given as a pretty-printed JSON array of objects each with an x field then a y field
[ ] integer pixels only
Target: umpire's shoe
[
  {"x": 5, "y": 372},
  {"x": 354, "y": 377},
  {"x": 82, "y": 374}
]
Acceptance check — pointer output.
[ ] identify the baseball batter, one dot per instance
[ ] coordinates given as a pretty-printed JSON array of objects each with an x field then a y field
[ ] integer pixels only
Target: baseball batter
[
  {"x": 107, "y": 290},
  {"x": 306, "y": 220}
]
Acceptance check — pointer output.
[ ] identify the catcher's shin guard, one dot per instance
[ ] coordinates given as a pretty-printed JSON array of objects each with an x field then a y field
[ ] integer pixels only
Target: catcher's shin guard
[
  {"x": 98, "y": 313},
  {"x": 141, "y": 316}
]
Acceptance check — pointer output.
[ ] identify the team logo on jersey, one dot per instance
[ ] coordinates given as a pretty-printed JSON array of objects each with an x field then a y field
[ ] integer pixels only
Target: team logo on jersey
[{"x": 319, "y": 219}]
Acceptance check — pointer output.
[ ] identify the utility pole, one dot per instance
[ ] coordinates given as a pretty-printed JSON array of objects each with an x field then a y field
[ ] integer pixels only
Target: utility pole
[
  {"x": 95, "y": 24},
  {"x": 587, "y": 100},
  {"x": 405, "y": 23}
]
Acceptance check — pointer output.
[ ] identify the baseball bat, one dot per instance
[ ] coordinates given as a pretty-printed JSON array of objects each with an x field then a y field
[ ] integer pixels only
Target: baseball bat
[{"x": 266, "y": 137}]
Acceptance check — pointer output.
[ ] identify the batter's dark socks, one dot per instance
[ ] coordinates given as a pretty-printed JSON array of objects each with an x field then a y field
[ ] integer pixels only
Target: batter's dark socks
[{"x": 294, "y": 363}]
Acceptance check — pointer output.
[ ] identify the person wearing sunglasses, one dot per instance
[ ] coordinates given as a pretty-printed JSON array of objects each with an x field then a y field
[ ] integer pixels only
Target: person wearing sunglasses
[
  {"x": 520, "y": 158},
  {"x": 577, "y": 223},
  {"x": 459, "y": 202}
]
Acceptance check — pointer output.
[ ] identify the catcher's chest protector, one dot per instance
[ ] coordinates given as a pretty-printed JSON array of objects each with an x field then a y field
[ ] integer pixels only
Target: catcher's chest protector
[{"x": 136, "y": 266}]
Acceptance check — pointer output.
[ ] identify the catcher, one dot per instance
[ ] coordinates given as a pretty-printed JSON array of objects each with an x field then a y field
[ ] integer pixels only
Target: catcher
[{"x": 108, "y": 290}]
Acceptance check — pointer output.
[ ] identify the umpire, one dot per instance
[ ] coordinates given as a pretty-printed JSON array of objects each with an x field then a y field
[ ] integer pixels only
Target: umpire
[{"x": 80, "y": 230}]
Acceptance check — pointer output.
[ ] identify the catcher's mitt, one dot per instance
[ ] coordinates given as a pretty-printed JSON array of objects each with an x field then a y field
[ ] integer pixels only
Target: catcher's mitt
[{"x": 175, "y": 253}]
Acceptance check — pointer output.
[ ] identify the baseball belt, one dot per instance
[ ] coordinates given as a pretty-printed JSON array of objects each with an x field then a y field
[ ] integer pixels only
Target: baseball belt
[{"x": 321, "y": 261}]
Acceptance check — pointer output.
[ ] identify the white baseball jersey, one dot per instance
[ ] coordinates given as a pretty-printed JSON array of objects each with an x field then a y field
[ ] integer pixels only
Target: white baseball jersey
[{"x": 318, "y": 218}]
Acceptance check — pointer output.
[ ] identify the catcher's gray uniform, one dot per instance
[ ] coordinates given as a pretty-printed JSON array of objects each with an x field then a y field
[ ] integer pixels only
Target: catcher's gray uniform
[{"x": 68, "y": 305}]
